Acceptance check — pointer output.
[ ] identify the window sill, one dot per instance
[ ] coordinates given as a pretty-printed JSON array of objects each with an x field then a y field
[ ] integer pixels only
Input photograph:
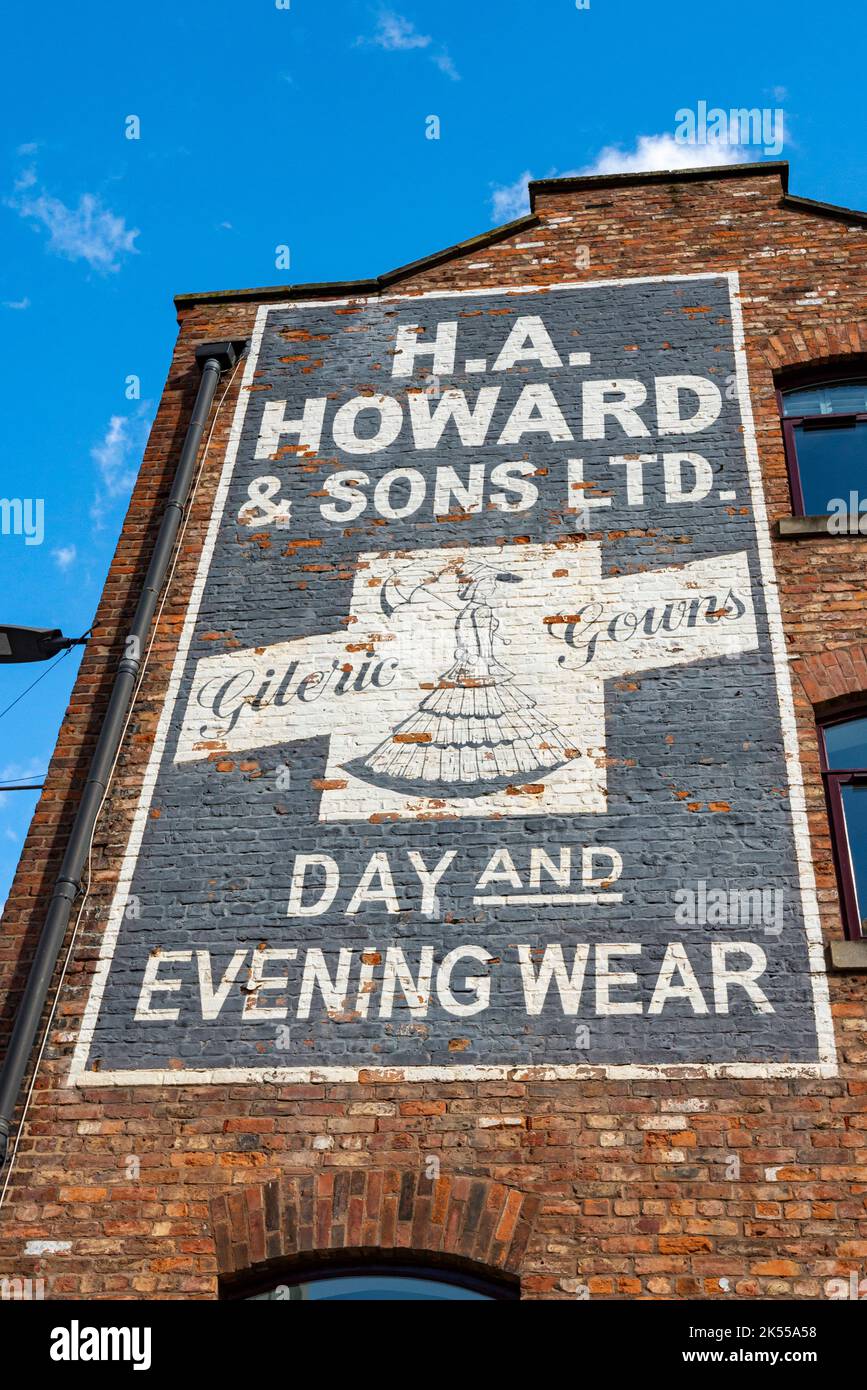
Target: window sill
[
  {"x": 849, "y": 956},
  {"x": 797, "y": 528}
]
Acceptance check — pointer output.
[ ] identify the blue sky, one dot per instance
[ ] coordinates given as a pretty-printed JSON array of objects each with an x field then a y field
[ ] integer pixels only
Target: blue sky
[{"x": 268, "y": 124}]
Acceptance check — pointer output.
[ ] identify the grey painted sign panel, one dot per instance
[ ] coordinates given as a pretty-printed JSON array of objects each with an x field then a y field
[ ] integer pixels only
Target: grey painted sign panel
[{"x": 479, "y": 753}]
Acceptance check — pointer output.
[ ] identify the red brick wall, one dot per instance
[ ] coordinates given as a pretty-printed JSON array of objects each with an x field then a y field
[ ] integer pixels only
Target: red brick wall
[{"x": 619, "y": 1188}]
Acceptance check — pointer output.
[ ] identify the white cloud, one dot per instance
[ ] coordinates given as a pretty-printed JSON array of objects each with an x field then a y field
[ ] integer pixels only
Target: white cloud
[
  {"x": 663, "y": 152},
  {"x": 116, "y": 458},
  {"x": 64, "y": 556},
  {"x": 511, "y": 200},
  {"x": 442, "y": 59},
  {"x": 89, "y": 232},
  {"x": 16, "y": 303},
  {"x": 396, "y": 34}
]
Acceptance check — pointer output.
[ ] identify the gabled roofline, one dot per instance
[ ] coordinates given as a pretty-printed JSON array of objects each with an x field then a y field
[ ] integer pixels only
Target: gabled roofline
[
  {"x": 834, "y": 210},
  {"x": 764, "y": 168},
  {"x": 327, "y": 289}
]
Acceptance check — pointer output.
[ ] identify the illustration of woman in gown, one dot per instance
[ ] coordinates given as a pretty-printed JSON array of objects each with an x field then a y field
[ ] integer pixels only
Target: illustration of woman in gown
[{"x": 476, "y": 732}]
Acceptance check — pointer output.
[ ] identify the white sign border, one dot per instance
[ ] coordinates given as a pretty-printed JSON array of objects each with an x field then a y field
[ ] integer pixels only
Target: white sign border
[{"x": 825, "y": 1066}]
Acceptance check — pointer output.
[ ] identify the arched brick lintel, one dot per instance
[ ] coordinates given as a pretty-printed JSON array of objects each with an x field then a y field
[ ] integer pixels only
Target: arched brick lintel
[
  {"x": 466, "y": 1218},
  {"x": 834, "y": 678},
  {"x": 833, "y": 342}
]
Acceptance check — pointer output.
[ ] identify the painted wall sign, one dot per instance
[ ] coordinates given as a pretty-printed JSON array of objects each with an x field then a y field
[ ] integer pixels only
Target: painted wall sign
[{"x": 478, "y": 756}]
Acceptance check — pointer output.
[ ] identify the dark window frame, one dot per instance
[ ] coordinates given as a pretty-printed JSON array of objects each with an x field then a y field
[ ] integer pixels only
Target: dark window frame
[
  {"x": 799, "y": 379},
  {"x": 835, "y": 779},
  {"x": 495, "y": 1286}
]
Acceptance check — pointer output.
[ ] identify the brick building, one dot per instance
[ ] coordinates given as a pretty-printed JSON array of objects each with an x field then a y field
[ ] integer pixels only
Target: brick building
[{"x": 477, "y": 886}]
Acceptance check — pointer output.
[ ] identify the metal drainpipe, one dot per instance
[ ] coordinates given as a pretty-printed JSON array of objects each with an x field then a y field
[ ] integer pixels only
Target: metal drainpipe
[{"x": 213, "y": 359}]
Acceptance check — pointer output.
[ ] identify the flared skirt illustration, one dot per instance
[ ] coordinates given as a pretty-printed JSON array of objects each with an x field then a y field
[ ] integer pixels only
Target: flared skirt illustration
[{"x": 466, "y": 738}]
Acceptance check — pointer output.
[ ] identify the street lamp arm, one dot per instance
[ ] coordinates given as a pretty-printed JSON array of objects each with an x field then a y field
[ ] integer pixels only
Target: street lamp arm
[{"x": 19, "y": 644}]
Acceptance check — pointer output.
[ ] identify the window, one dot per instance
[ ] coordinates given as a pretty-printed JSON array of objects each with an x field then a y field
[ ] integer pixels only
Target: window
[
  {"x": 844, "y": 767},
  {"x": 825, "y": 433},
  {"x": 374, "y": 1282}
]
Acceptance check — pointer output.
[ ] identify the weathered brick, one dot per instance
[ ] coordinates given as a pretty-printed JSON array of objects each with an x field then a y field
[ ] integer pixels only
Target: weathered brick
[{"x": 625, "y": 1178}]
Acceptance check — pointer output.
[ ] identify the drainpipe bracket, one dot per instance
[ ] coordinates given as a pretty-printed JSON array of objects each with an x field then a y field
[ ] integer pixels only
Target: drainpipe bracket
[{"x": 227, "y": 353}]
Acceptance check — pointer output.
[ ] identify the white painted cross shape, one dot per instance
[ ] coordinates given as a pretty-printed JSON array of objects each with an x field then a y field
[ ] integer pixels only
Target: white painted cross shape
[{"x": 469, "y": 682}]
